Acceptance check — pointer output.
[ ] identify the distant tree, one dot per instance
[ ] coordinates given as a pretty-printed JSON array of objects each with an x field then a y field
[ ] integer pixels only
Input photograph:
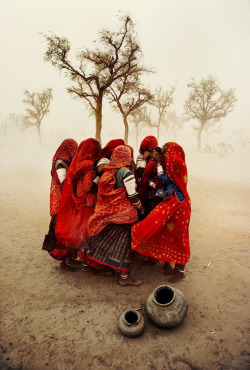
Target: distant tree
[
  {"x": 208, "y": 103},
  {"x": 129, "y": 95},
  {"x": 17, "y": 121},
  {"x": 137, "y": 118},
  {"x": 37, "y": 107},
  {"x": 117, "y": 56},
  {"x": 4, "y": 128},
  {"x": 173, "y": 123}
]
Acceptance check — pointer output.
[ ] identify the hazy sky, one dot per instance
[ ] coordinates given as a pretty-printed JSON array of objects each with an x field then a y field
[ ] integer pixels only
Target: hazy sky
[{"x": 181, "y": 39}]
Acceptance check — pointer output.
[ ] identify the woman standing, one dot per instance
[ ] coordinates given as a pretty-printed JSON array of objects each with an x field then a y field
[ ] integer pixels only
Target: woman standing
[
  {"x": 77, "y": 204},
  {"x": 164, "y": 233},
  {"x": 109, "y": 228},
  {"x": 60, "y": 165}
]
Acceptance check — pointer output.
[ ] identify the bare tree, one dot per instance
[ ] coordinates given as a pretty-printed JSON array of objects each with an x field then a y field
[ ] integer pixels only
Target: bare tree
[
  {"x": 208, "y": 103},
  {"x": 162, "y": 100},
  {"x": 137, "y": 119},
  {"x": 173, "y": 123},
  {"x": 128, "y": 95},
  {"x": 4, "y": 128},
  {"x": 37, "y": 107},
  {"x": 17, "y": 121},
  {"x": 116, "y": 57}
]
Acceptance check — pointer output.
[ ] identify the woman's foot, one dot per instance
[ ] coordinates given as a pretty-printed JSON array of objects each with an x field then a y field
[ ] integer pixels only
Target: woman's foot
[
  {"x": 168, "y": 269},
  {"x": 125, "y": 280},
  {"x": 73, "y": 263},
  {"x": 63, "y": 266}
]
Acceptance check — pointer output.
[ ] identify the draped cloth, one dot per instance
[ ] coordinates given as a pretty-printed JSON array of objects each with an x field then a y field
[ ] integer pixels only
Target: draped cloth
[
  {"x": 107, "y": 151},
  {"x": 148, "y": 144},
  {"x": 77, "y": 204},
  {"x": 65, "y": 153},
  {"x": 164, "y": 233},
  {"x": 113, "y": 205}
]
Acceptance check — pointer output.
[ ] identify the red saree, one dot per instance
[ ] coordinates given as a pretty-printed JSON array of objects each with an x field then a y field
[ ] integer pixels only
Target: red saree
[
  {"x": 65, "y": 152},
  {"x": 107, "y": 151},
  {"x": 76, "y": 204},
  {"x": 148, "y": 144},
  {"x": 113, "y": 205},
  {"x": 164, "y": 233}
]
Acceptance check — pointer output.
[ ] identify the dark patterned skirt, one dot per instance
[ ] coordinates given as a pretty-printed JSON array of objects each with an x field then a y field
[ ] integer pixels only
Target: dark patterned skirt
[{"x": 110, "y": 248}]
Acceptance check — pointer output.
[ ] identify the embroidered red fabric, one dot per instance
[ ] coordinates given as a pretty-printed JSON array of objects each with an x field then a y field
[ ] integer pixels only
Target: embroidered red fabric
[
  {"x": 66, "y": 152},
  {"x": 113, "y": 205},
  {"x": 76, "y": 204},
  {"x": 164, "y": 233}
]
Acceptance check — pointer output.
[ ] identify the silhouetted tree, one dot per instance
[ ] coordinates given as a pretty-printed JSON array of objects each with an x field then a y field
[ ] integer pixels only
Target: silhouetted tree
[
  {"x": 162, "y": 100},
  {"x": 117, "y": 56},
  {"x": 37, "y": 107},
  {"x": 128, "y": 95},
  {"x": 208, "y": 103},
  {"x": 137, "y": 119},
  {"x": 17, "y": 121},
  {"x": 4, "y": 128},
  {"x": 173, "y": 123}
]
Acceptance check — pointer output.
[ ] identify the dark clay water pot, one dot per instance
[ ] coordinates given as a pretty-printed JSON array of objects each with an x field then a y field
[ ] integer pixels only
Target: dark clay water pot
[
  {"x": 166, "y": 306},
  {"x": 131, "y": 323}
]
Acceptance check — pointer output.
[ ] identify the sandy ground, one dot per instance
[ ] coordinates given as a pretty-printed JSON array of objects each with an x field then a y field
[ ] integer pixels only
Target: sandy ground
[{"x": 53, "y": 319}]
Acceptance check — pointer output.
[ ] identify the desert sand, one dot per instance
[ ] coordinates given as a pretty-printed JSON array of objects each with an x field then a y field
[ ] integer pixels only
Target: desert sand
[{"x": 53, "y": 319}]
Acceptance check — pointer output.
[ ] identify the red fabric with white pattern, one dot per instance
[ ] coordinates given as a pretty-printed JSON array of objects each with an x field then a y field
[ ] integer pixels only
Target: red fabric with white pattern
[
  {"x": 164, "y": 233},
  {"x": 66, "y": 152},
  {"x": 113, "y": 205},
  {"x": 76, "y": 204}
]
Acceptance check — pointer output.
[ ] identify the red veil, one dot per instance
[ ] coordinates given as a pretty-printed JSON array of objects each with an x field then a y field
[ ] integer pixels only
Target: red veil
[
  {"x": 74, "y": 211},
  {"x": 164, "y": 233},
  {"x": 107, "y": 151},
  {"x": 65, "y": 152},
  {"x": 113, "y": 205},
  {"x": 148, "y": 143}
]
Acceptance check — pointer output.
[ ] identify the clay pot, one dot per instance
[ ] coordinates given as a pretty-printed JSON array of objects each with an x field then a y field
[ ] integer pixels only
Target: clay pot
[
  {"x": 166, "y": 306},
  {"x": 131, "y": 323}
]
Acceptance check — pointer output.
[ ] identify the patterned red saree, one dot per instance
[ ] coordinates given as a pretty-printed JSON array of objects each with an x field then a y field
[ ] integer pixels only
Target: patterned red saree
[
  {"x": 65, "y": 153},
  {"x": 164, "y": 233},
  {"x": 77, "y": 204},
  {"x": 113, "y": 205}
]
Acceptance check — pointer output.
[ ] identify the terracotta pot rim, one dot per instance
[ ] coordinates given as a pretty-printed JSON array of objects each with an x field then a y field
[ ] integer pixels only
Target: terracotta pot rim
[
  {"x": 129, "y": 323},
  {"x": 160, "y": 287}
]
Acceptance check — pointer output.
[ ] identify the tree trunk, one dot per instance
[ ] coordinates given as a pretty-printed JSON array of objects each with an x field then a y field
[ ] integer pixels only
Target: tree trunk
[
  {"x": 158, "y": 131},
  {"x": 98, "y": 117},
  {"x": 125, "y": 121},
  {"x": 137, "y": 135},
  {"x": 199, "y": 138},
  {"x": 39, "y": 132}
]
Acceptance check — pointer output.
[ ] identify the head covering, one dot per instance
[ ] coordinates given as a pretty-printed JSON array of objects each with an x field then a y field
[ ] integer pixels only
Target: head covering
[
  {"x": 106, "y": 152},
  {"x": 87, "y": 152},
  {"x": 148, "y": 144},
  {"x": 113, "y": 205},
  {"x": 121, "y": 157},
  {"x": 176, "y": 167},
  {"x": 73, "y": 211},
  {"x": 64, "y": 154}
]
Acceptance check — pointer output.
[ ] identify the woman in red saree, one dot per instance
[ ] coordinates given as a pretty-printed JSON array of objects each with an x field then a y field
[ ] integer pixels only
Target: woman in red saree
[
  {"x": 60, "y": 165},
  {"x": 109, "y": 228},
  {"x": 164, "y": 233},
  {"x": 77, "y": 203}
]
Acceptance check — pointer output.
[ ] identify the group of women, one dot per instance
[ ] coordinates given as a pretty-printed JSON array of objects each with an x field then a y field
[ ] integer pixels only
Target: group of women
[{"x": 104, "y": 207}]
